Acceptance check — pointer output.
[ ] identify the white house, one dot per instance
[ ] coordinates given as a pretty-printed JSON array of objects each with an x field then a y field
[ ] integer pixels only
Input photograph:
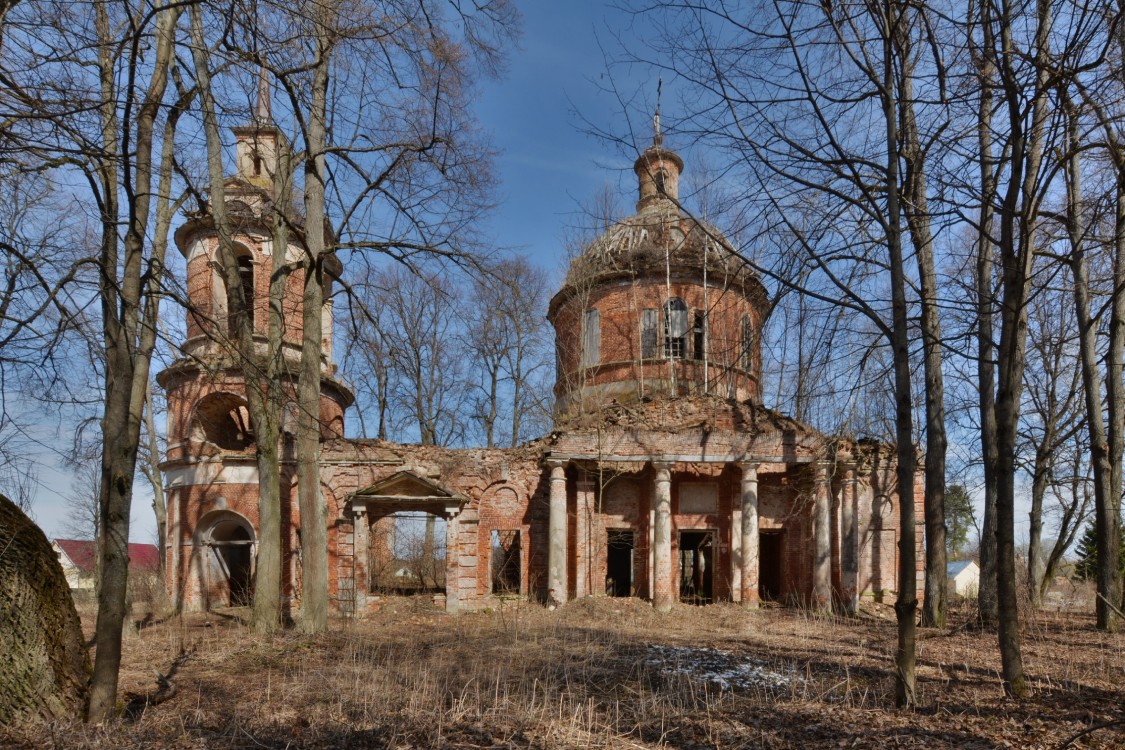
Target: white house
[{"x": 962, "y": 577}]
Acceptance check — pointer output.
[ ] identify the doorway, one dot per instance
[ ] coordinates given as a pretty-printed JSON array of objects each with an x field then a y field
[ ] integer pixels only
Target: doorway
[
  {"x": 234, "y": 546},
  {"x": 771, "y": 546},
  {"x": 697, "y": 558},
  {"x": 619, "y": 562}
]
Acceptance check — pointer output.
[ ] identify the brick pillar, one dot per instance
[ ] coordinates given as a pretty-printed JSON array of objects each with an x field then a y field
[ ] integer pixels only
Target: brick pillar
[
  {"x": 360, "y": 543},
  {"x": 822, "y": 540},
  {"x": 749, "y": 533},
  {"x": 662, "y": 595},
  {"x": 452, "y": 563},
  {"x": 556, "y": 536},
  {"x": 585, "y": 533},
  {"x": 736, "y": 551},
  {"x": 849, "y": 541}
]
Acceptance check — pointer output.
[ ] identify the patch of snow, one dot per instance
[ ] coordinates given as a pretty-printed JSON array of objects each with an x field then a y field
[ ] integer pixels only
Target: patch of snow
[{"x": 728, "y": 671}]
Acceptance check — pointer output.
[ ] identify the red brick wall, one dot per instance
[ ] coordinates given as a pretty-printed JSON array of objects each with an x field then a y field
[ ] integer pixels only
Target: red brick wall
[{"x": 620, "y": 305}]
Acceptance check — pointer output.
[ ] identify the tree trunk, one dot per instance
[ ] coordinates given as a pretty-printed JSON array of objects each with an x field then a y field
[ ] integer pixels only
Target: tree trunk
[
  {"x": 1036, "y": 568},
  {"x": 45, "y": 667},
  {"x": 1017, "y": 251},
  {"x": 1108, "y": 513},
  {"x": 906, "y": 604},
  {"x": 130, "y": 309},
  {"x": 314, "y": 516},
  {"x": 152, "y": 471},
  {"x": 986, "y": 374},
  {"x": 259, "y": 373},
  {"x": 917, "y": 212}
]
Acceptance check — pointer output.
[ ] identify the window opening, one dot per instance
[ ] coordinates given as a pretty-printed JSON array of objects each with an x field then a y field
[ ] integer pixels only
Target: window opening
[
  {"x": 591, "y": 338},
  {"x": 407, "y": 553},
  {"x": 223, "y": 419},
  {"x": 697, "y": 557},
  {"x": 675, "y": 328},
  {"x": 246, "y": 280},
  {"x": 649, "y": 323},
  {"x": 619, "y": 562},
  {"x": 505, "y": 562},
  {"x": 747, "y": 342},
  {"x": 699, "y": 334}
]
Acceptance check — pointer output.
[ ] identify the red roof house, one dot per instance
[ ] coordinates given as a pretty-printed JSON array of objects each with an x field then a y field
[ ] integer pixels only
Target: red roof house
[{"x": 77, "y": 559}]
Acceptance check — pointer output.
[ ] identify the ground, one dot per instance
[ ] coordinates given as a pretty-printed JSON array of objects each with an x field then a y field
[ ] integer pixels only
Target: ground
[{"x": 603, "y": 673}]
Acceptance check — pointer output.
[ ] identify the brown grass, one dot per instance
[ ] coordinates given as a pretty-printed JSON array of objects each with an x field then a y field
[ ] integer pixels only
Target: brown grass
[{"x": 595, "y": 674}]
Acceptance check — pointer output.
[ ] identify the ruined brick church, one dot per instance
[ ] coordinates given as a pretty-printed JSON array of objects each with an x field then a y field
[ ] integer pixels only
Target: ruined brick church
[{"x": 665, "y": 479}]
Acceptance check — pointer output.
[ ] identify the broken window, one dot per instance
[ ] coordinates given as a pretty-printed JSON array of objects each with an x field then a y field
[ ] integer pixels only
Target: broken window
[
  {"x": 648, "y": 333},
  {"x": 223, "y": 419},
  {"x": 505, "y": 562},
  {"x": 699, "y": 334},
  {"x": 591, "y": 338},
  {"x": 747, "y": 342},
  {"x": 675, "y": 328}
]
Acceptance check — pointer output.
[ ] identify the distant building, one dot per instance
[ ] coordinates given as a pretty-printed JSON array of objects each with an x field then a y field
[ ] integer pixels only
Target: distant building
[
  {"x": 963, "y": 577},
  {"x": 77, "y": 557}
]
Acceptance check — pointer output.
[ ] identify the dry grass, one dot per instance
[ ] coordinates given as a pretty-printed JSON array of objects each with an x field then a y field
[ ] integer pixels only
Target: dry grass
[{"x": 602, "y": 673}]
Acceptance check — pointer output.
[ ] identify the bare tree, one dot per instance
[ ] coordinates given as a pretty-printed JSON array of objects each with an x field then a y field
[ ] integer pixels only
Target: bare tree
[
  {"x": 507, "y": 335},
  {"x": 815, "y": 98}
]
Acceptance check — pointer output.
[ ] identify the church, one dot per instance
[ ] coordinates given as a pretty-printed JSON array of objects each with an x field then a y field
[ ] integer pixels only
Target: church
[{"x": 665, "y": 477}]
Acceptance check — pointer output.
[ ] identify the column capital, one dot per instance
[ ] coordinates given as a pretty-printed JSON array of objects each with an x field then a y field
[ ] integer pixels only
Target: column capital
[
  {"x": 359, "y": 510},
  {"x": 662, "y": 465},
  {"x": 749, "y": 469},
  {"x": 558, "y": 469}
]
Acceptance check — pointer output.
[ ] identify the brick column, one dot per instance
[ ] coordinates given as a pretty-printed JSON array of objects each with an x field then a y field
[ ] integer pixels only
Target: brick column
[
  {"x": 556, "y": 536},
  {"x": 849, "y": 541},
  {"x": 452, "y": 562},
  {"x": 822, "y": 540},
  {"x": 736, "y": 551},
  {"x": 662, "y": 595},
  {"x": 360, "y": 542},
  {"x": 749, "y": 531},
  {"x": 585, "y": 533}
]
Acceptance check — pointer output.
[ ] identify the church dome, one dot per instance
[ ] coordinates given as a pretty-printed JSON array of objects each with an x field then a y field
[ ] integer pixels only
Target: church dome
[
  {"x": 656, "y": 241},
  {"x": 659, "y": 239},
  {"x": 659, "y": 305}
]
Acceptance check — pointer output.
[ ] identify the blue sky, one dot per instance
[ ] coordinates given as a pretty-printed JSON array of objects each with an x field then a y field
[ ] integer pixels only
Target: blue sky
[{"x": 547, "y": 166}]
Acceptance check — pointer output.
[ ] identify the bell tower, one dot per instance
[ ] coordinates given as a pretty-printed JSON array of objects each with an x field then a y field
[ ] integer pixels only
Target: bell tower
[{"x": 210, "y": 467}]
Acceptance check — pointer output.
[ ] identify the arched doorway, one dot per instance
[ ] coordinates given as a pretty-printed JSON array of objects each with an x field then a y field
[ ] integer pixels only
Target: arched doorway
[{"x": 229, "y": 540}]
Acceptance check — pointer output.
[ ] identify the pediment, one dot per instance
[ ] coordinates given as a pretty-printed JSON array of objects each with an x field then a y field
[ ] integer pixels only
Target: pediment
[
  {"x": 406, "y": 485},
  {"x": 406, "y": 491}
]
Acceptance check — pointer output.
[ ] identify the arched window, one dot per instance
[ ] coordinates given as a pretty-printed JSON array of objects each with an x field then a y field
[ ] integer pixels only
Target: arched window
[
  {"x": 246, "y": 279},
  {"x": 223, "y": 419},
  {"x": 675, "y": 328}
]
